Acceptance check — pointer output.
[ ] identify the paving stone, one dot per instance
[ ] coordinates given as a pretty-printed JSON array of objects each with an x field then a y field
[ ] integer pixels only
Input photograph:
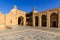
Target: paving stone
[{"x": 28, "y": 35}]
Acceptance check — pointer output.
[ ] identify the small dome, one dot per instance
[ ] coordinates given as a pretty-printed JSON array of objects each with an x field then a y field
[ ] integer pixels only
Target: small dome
[
  {"x": 34, "y": 10},
  {"x": 15, "y": 7}
]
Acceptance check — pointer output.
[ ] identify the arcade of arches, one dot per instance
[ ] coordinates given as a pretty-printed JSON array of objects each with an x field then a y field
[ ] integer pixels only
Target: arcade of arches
[
  {"x": 43, "y": 19},
  {"x": 48, "y": 18}
]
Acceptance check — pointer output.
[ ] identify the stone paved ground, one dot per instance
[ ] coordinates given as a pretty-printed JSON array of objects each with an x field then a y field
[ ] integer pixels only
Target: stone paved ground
[
  {"x": 28, "y": 33},
  {"x": 49, "y": 29}
]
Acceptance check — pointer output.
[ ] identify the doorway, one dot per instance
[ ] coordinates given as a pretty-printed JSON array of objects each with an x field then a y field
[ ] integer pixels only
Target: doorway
[
  {"x": 54, "y": 23},
  {"x": 20, "y": 20},
  {"x": 54, "y": 20},
  {"x": 36, "y": 20},
  {"x": 44, "y": 20}
]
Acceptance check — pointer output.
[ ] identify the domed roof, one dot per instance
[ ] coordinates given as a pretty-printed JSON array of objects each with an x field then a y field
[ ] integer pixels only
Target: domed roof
[
  {"x": 14, "y": 8},
  {"x": 34, "y": 10}
]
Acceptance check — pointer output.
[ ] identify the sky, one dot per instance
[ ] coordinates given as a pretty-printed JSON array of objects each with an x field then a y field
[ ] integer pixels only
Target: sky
[{"x": 28, "y": 5}]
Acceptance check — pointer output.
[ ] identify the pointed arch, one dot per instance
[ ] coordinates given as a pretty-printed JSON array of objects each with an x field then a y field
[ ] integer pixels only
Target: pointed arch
[
  {"x": 54, "y": 20},
  {"x": 44, "y": 20},
  {"x": 20, "y": 20}
]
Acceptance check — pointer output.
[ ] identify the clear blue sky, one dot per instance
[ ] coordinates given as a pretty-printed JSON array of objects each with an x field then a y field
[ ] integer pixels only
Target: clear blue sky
[{"x": 27, "y": 5}]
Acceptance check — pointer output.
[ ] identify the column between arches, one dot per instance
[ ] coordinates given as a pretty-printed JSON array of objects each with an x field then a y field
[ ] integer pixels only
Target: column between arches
[
  {"x": 39, "y": 20},
  {"x": 48, "y": 19}
]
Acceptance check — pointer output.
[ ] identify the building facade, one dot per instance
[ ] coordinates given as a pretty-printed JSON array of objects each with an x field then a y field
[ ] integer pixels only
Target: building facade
[
  {"x": 48, "y": 18},
  {"x": 14, "y": 17}
]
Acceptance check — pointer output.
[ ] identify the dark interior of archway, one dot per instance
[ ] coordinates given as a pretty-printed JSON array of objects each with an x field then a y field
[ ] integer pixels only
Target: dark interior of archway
[
  {"x": 54, "y": 20},
  {"x": 36, "y": 20},
  {"x": 29, "y": 20},
  {"x": 44, "y": 20},
  {"x": 19, "y": 20}
]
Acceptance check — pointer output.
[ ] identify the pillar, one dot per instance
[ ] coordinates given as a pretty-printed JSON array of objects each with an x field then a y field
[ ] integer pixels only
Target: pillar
[
  {"x": 39, "y": 20},
  {"x": 58, "y": 18},
  {"x": 48, "y": 19},
  {"x": 24, "y": 21},
  {"x": 33, "y": 21}
]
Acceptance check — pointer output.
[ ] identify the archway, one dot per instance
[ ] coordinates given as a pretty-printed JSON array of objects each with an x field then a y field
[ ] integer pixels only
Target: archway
[
  {"x": 36, "y": 20},
  {"x": 44, "y": 20},
  {"x": 54, "y": 20},
  {"x": 20, "y": 20}
]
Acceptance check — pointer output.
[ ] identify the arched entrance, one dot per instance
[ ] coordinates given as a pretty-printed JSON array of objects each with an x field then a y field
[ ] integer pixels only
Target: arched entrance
[
  {"x": 54, "y": 20},
  {"x": 20, "y": 20},
  {"x": 36, "y": 20},
  {"x": 44, "y": 20}
]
